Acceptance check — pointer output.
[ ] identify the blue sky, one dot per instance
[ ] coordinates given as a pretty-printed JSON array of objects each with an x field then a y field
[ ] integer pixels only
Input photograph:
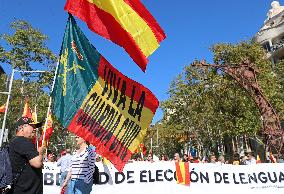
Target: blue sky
[{"x": 191, "y": 28}]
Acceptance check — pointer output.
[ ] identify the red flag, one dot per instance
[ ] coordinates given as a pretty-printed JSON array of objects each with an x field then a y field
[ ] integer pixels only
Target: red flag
[
  {"x": 125, "y": 22},
  {"x": 62, "y": 190},
  {"x": 27, "y": 111},
  {"x": 141, "y": 149},
  {"x": 3, "y": 108},
  {"x": 49, "y": 131}
]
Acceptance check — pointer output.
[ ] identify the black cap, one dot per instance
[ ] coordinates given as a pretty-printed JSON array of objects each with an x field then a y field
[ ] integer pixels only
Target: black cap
[{"x": 25, "y": 120}]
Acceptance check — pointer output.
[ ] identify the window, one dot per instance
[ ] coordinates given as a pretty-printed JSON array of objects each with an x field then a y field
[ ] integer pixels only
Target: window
[{"x": 266, "y": 46}]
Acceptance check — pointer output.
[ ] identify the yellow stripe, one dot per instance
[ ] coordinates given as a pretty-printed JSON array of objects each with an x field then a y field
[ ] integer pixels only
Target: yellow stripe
[
  {"x": 131, "y": 22},
  {"x": 182, "y": 169},
  {"x": 146, "y": 116}
]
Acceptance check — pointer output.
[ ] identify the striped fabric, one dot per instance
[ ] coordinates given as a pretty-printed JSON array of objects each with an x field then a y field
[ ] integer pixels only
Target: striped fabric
[
  {"x": 182, "y": 173},
  {"x": 83, "y": 165}
]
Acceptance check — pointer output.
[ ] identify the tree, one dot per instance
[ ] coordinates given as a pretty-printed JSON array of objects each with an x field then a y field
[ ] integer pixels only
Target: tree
[
  {"x": 26, "y": 49},
  {"x": 212, "y": 108}
]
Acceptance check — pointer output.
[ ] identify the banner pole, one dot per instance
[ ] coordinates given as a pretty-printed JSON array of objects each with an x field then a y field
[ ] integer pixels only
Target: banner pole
[
  {"x": 6, "y": 107},
  {"x": 49, "y": 104}
]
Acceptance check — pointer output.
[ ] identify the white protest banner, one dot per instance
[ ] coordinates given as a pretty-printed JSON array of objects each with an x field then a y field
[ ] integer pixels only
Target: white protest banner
[{"x": 159, "y": 177}]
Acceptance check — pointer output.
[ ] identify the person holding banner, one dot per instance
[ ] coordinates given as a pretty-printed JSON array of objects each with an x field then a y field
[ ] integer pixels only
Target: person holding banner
[
  {"x": 250, "y": 159},
  {"x": 64, "y": 162},
  {"x": 81, "y": 170}
]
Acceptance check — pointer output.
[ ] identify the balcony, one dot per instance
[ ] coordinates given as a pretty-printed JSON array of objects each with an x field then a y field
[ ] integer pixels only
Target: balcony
[{"x": 277, "y": 46}]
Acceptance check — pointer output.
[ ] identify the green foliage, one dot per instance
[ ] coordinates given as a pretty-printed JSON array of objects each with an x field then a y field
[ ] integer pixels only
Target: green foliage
[
  {"x": 208, "y": 105},
  {"x": 26, "y": 49},
  {"x": 27, "y": 45}
]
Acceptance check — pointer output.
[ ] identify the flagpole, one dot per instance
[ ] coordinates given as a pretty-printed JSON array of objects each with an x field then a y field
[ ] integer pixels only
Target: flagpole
[
  {"x": 49, "y": 104},
  {"x": 6, "y": 107}
]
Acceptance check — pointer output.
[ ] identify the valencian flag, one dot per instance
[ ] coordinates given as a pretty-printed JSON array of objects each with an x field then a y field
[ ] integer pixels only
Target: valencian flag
[
  {"x": 125, "y": 22},
  {"x": 182, "y": 172},
  {"x": 95, "y": 101}
]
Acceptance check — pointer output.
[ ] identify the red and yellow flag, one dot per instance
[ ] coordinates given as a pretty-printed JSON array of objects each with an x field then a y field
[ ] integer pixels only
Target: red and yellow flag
[
  {"x": 272, "y": 158},
  {"x": 27, "y": 111},
  {"x": 258, "y": 160},
  {"x": 141, "y": 149},
  {"x": 34, "y": 115},
  {"x": 182, "y": 172},
  {"x": 3, "y": 108},
  {"x": 49, "y": 130},
  {"x": 125, "y": 22}
]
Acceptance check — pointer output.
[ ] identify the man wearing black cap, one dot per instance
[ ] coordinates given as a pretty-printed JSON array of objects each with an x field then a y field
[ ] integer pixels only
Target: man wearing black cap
[{"x": 26, "y": 160}]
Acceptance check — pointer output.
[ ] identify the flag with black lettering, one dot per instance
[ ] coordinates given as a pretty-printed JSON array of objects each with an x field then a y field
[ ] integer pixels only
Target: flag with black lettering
[{"x": 97, "y": 102}]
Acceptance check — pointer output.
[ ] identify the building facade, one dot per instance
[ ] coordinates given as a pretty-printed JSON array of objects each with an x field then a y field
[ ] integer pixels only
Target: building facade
[{"x": 271, "y": 34}]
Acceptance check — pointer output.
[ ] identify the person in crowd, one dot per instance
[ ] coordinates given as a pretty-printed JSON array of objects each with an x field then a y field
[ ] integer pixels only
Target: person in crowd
[
  {"x": 196, "y": 159},
  {"x": 279, "y": 159},
  {"x": 50, "y": 158},
  {"x": 164, "y": 157},
  {"x": 80, "y": 175},
  {"x": 190, "y": 159},
  {"x": 149, "y": 158},
  {"x": 236, "y": 160},
  {"x": 221, "y": 160},
  {"x": 26, "y": 160},
  {"x": 185, "y": 158},
  {"x": 204, "y": 160},
  {"x": 213, "y": 159},
  {"x": 139, "y": 158},
  {"x": 243, "y": 160},
  {"x": 64, "y": 162},
  {"x": 177, "y": 157},
  {"x": 250, "y": 159}
]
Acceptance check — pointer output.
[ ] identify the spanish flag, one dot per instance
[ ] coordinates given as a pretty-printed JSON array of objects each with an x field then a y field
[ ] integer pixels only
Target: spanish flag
[
  {"x": 182, "y": 173},
  {"x": 27, "y": 111},
  {"x": 141, "y": 149},
  {"x": 258, "y": 160},
  {"x": 49, "y": 130},
  {"x": 125, "y": 22}
]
